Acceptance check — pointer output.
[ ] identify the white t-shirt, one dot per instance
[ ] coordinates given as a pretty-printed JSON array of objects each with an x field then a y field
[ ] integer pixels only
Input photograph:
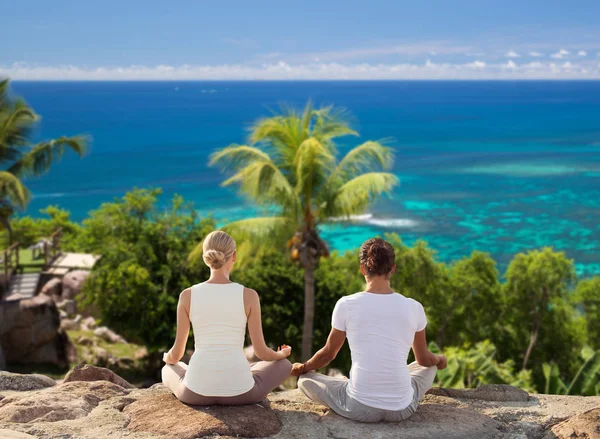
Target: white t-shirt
[{"x": 380, "y": 329}]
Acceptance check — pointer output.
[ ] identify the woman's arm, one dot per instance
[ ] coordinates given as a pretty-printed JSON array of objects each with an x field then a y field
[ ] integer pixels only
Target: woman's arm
[
  {"x": 261, "y": 350},
  {"x": 424, "y": 356},
  {"x": 325, "y": 355},
  {"x": 183, "y": 328}
]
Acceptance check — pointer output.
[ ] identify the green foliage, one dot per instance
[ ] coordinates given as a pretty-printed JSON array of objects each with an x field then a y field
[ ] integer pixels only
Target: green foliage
[
  {"x": 27, "y": 230},
  {"x": 541, "y": 318},
  {"x": 144, "y": 263},
  {"x": 587, "y": 295},
  {"x": 472, "y": 366},
  {"x": 484, "y": 326},
  {"x": 586, "y": 380},
  {"x": 19, "y": 157}
]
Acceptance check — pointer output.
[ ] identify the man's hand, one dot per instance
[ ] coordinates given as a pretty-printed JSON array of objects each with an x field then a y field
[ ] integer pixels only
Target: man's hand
[
  {"x": 298, "y": 369},
  {"x": 442, "y": 363}
]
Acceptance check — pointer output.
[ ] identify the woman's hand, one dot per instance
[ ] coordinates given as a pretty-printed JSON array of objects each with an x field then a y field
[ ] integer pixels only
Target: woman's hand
[
  {"x": 284, "y": 351},
  {"x": 168, "y": 358},
  {"x": 442, "y": 363},
  {"x": 298, "y": 369}
]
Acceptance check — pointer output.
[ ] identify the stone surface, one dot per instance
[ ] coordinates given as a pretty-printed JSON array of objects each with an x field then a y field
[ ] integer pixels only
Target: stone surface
[
  {"x": 68, "y": 324},
  {"x": 12, "y": 434},
  {"x": 23, "y": 382},
  {"x": 108, "y": 335},
  {"x": 52, "y": 288},
  {"x": 67, "y": 305},
  {"x": 140, "y": 353},
  {"x": 101, "y": 409},
  {"x": 488, "y": 392},
  {"x": 85, "y": 372},
  {"x": 64, "y": 401},
  {"x": 85, "y": 341},
  {"x": 72, "y": 283},
  {"x": 585, "y": 425},
  {"x": 88, "y": 323},
  {"x": 164, "y": 415},
  {"x": 30, "y": 332}
]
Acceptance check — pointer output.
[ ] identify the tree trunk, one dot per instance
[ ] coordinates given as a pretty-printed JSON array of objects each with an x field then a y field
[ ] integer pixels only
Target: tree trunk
[
  {"x": 536, "y": 327},
  {"x": 532, "y": 340},
  {"x": 309, "y": 308}
]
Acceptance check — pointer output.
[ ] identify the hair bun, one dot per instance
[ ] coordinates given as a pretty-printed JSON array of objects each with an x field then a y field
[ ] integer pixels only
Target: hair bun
[
  {"x": 214, "y": 258},
  {"x": 377, "y": 257}
]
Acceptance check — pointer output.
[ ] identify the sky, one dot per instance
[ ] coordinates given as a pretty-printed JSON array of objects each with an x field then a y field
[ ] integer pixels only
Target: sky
[{"x": 230, "y": 40}]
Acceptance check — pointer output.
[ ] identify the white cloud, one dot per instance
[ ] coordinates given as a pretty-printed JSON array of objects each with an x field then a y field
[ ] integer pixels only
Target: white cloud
[
  {"x": 560, "y": 54},
  {"x": 512, "y": 54},
  {"x": 536, "y": 54},
  {"x": 582, "y": 53},
  {"x": 476, "y": 65},
  {"x": 309, "y": 71}
]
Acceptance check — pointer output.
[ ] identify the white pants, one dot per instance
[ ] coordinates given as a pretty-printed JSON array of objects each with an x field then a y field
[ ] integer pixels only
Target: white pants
[{"x": 331, "y": 392}]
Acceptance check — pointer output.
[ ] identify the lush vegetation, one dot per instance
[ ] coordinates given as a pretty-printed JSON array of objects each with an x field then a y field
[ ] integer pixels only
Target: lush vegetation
[
  {"x": 20, "y": 157},
  {"x": 291, "y": 166},
  {"x": 491, "y": 325},
  {"x": 535, "y": 327}
]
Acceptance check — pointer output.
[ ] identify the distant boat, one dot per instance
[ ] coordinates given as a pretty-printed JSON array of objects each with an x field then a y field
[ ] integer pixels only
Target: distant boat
[{"x": 176, "y": 88}]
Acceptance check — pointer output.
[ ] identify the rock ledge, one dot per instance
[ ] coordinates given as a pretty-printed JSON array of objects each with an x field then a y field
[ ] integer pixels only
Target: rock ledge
[{"x": 97, "y": 408}]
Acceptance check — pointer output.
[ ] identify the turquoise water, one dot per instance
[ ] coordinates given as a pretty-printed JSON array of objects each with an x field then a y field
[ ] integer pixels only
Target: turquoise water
[{"x": 496, "y": 166}]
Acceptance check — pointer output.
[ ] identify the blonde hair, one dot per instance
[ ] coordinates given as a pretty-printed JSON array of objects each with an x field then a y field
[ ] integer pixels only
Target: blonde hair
[{"x": 217, "y": 248}]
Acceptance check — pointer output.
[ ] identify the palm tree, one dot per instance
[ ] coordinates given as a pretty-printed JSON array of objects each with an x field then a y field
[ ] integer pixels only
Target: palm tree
[
  {"x": 20, "y": 158},
  {"x": 290, "y": 166}
]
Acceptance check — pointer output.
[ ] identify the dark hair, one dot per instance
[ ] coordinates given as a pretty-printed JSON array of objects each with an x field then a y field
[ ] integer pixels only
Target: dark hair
[{"x": 377, "y": 257}]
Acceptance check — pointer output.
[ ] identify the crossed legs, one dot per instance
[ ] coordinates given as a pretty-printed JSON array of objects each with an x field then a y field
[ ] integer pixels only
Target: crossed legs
[{"x": 267, "y": 375}]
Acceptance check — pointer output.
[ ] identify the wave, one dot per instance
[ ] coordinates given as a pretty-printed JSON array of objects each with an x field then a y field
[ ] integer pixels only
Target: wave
[
  {"x": 368, "y": 218},
  {"x": 51, "y": 195}
]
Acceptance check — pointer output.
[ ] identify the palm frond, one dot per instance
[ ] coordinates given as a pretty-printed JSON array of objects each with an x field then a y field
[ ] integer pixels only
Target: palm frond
[
  {"x": 330, "y": 123},
  {"x": 281, "y": 134},
  {"x": 253, "y": 235},
  {"x": 236, "y": 156},
  {"x": 355, "y": 196},
  {"x": 313, "y": 163},
  {"x": 368, "y": 157},
  {"x": 257, "y": 176},
  {"x": 16, "y": 121},
  {"x": 39, "y": 159},
  {"x": 13, "y": 190},
  {"x": 3, "y": 90}
]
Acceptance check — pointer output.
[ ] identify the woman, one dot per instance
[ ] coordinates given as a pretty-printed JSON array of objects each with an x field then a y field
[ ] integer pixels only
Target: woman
[
  {"x": 381, "y": 326},
  {"x": 218, "y": 309}
]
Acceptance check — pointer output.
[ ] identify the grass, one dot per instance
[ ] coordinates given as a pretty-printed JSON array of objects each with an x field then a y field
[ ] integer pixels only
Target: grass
[
  {"x": 118, "y": 350},
  {"x": 27, "y": 264}
]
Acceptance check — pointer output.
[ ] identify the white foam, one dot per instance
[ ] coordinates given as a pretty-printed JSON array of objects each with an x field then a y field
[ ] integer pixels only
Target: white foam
[
  {"x": 51, "y": 195},
  {"x": 368, "y": 218}
]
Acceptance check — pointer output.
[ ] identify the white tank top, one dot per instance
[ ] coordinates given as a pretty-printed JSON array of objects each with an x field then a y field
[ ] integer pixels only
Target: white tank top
[{"x": 218, "y": 366}]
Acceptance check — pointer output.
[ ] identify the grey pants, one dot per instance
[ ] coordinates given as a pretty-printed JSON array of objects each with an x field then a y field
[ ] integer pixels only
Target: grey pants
[
  {"x": 331, "y": 392},
  {"x": 267, "y": 375}
]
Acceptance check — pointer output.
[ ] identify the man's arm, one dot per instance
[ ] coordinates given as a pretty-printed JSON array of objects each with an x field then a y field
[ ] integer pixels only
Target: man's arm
[
  {"x": 423, "y": 355},
  {"x": 324, "y": 356}
]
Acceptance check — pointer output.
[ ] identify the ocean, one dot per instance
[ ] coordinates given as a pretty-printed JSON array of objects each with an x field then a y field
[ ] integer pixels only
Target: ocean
[{"x": 497, "y": 166}]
